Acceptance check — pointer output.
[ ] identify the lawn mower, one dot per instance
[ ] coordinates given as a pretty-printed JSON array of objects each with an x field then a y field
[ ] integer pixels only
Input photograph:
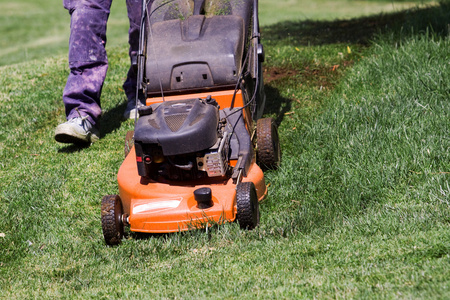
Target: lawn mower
[{"x": 199, "y": 147}]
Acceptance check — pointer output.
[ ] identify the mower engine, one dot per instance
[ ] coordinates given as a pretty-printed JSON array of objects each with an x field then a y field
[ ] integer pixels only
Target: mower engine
[{"x": 182, "y": 140}]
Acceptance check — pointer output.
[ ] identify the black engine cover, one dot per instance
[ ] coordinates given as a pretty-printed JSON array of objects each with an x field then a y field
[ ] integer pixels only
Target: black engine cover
[{"x": 179, "y": 127}]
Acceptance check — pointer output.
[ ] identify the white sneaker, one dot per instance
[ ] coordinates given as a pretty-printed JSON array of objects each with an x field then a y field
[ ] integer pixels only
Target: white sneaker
[
  {"x": 131, "y": 111},
  {"x": 77, "y": 131}
]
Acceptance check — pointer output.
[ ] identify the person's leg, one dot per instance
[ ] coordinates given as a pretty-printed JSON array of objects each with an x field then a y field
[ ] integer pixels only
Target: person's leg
[
  {"x": 88, "y": 65},
  {"x": 134, "y": 9},
  {"x": 87, "y": 58}
]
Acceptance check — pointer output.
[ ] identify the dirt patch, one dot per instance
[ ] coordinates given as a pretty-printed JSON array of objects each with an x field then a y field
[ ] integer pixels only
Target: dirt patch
[
  {"x": 277, "y": 73},
  {"x": 320, "y": 76}
]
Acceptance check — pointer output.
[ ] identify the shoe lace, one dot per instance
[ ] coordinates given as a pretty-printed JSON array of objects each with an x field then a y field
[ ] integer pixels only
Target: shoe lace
[
  {"x": 85, "y": 124},
  {"x": 79, "y": 114}
]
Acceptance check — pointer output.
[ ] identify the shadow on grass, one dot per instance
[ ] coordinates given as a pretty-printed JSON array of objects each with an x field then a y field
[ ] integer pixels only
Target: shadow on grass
[
  {"x": 276, "y": 104},
  {"x": 112, "y": 119},
  {"x": 196, "y": 232},
  {"x": 362, "y": 30},
  {"x": 72, "y": 148}
]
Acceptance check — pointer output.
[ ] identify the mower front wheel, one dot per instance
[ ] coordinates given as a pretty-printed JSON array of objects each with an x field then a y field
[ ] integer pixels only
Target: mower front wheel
[
  {"x": 247, "y": 205},
  {"x": 112, "y": 224},
  {"x": 268, "y": 144}
]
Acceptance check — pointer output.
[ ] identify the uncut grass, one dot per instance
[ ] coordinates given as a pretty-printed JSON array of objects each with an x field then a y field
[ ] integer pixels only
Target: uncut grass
[{"x": 359, "y": 207}]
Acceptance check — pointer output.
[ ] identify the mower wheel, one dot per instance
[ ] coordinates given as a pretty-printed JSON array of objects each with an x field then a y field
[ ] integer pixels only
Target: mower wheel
[
  {"x": 247, "y": 205},
  {"x": 268, "y": 144},
  {"x": 129, "y": 142},
  {"x": 112, "y": 224}
]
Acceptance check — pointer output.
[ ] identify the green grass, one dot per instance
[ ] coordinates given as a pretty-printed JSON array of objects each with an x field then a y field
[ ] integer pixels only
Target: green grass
[
  {"x": 36, "y": 29},
  {"x": 272, "y": 12},
  {"x": 358, "y": 209}
]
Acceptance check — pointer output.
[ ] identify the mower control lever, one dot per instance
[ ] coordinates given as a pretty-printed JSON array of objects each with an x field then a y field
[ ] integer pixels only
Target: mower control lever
[{"x": 134, "y": 61}]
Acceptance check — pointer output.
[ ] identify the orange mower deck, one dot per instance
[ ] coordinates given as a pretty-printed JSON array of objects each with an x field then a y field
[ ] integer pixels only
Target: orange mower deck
[{"x": 155, "y": 207}]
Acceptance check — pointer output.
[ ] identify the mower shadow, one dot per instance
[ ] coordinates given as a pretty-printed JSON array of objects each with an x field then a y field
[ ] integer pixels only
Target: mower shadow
[
  {"x": 276, "y": 104},
  {"x": 164, "y": 236}
]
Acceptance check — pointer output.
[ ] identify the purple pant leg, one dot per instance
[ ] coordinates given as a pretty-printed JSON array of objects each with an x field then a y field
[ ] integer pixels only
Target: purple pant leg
[{"x": 87, "y": 56}]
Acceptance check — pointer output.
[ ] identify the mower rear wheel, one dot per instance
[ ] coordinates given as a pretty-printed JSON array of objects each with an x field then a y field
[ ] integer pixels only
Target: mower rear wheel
[
  {"x": 247, "y": 205},
  {"x": 268, "y": 144},
  {"x": 112, "y": 224},
  {"x": 129, "y": 142}
]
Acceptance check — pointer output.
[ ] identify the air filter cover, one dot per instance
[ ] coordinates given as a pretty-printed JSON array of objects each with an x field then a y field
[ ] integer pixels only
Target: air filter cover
[{"x": 179, "y": 127}]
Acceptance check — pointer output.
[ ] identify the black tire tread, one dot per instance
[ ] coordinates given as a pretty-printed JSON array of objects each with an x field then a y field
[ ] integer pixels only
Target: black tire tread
[
  {"x": 247, "y": 205},
  {"x": 268, "y": 143},
  {"x": 111, "y": 225}
]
